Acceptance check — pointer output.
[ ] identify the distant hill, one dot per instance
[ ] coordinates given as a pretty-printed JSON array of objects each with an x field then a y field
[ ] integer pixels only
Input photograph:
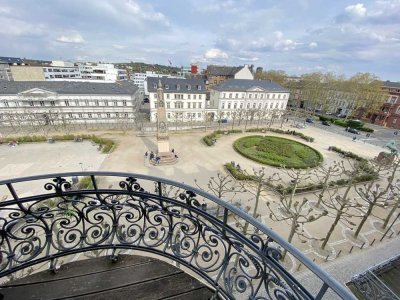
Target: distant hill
[{"x": 139, "y": 67}]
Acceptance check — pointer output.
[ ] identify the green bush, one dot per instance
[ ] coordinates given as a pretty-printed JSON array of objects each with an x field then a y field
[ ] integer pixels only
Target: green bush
[
  {"x": 355, "y": 124},
  {"x": 85, "y": 183},
  {"x": 208, "y": 138},
  {"x": 339, "y": 122},
  {"x": 346, "y": 153},
  {"x": 238, "y": 174},
  {"x": 255, "y": 130}
]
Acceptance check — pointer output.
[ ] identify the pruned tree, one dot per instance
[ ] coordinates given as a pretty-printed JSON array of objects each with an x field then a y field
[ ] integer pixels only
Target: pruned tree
[
  {"x": 324, "y": 176},
  {"x": 372, "y": 194},
  {"x": 340, "y": 207},
  {"x": 296, "y": 215},
  {"x": 296, "y": 177},
  {"x": 222, "y": 186},
  {"x": 395, "y": 196}
]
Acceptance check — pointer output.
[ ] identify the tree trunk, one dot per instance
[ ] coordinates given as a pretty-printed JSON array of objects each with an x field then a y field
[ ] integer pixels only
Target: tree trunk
[
  {"x": 333, "y": 226},
  {"x": 324, "y": 188},
  {"x": 291, "y": 234},
  {"x": 391, "y": 213},
  {"x": 365, "y": 217}
]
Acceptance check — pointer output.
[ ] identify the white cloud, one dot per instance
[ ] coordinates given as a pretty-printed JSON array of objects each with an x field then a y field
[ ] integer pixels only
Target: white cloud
[
  {"x": 313, "y": 45},
  {"x": 74, "y": 38},
  {"x": 119, "y": 47},
  {"x": 215, "y": 53},
  {"x": 356, "y": 10}
]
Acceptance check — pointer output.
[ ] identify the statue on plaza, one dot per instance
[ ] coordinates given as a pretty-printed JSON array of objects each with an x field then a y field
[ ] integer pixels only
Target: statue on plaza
[{"x": 387, "y": 158}]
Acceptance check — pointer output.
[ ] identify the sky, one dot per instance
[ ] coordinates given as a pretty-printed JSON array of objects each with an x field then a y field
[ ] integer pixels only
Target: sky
[{"x": 297, "y": 36}]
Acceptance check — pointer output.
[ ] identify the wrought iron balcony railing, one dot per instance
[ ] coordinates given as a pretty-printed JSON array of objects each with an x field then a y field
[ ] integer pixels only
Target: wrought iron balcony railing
[{"x": 47, "y": 217}]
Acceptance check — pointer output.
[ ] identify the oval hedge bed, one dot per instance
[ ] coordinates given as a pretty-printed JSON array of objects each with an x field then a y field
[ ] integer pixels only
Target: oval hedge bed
[{"x": 277, "y": 151}]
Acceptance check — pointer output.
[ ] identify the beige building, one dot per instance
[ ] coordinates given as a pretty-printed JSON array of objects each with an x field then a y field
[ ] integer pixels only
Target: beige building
[{"x": 27, "y": 73}]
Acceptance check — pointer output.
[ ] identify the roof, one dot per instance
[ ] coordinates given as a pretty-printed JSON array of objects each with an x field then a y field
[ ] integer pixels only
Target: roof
[
  {"x": 241, "y": 85},
  {"x": 11, "y": 60},
  {"x": 214, "y": 70},
  {"x": 69, "y": 87},
  {"x": 188, "y": 86},
  {"x": 391, "y": 84}
]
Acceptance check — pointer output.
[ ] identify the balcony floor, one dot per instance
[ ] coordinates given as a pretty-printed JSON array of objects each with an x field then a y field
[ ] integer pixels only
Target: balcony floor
[{"x": 131, "y": 277}]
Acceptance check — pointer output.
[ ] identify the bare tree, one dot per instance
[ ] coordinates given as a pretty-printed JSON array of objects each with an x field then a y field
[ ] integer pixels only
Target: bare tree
[
  {"x": 324, "y": 176},
  {"x": 296, "y": 215},
  {"x": 296, "y": 177},
  {"x": 372, "y": 194}
]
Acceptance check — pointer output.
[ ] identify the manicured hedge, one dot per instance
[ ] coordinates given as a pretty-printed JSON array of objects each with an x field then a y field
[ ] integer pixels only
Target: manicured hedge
[
  {"x": 278, "y": 152},
  {"x": 105, "y": 144}
]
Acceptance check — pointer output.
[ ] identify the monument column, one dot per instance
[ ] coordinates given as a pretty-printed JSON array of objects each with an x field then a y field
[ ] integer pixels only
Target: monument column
[{"x": 163, "y": 150}]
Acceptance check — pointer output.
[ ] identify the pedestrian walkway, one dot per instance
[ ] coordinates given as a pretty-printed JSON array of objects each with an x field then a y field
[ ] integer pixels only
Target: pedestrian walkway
[{"x": 344, "y": 268}]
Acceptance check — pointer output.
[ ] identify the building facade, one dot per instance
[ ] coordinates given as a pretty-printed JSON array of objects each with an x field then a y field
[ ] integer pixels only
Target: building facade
[
  {"x": 185, "y": 99},
  {"x": 217, "y": 74},
  {"x": 47, "y": 102},
  {"x": 235, "y": 96},
  {"x": 5, "y": 66},
  {"x": 389, "y": 113}
]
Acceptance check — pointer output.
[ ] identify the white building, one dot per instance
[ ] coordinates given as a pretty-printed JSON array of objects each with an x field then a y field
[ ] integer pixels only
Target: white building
[
  {"x": 62, "y": 71},
  {"x": 140, "y": 79},
  {"x": 49, "y": 102},
  {"x": 185, "y": 99},
  {"x": 234, "y": 95}
]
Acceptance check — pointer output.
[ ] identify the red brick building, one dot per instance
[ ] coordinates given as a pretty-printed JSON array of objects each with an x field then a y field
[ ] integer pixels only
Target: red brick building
[{"x": 389, "y": 114}]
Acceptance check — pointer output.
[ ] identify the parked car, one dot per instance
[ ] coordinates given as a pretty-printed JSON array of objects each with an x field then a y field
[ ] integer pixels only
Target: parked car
[
  {"x": 326, "y": 123},
  {"x": 352, "y": 130},
  {"x": 309, "y": 120},
  {"x": 328, "y": 113}
]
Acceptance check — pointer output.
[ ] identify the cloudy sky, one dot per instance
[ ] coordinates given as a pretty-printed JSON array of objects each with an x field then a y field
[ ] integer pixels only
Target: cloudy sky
[{"x": 297, "y": 36}]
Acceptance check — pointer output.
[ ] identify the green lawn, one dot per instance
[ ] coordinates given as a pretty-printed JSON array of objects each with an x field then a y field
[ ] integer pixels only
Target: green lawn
[{"x": 276, "y": 151}]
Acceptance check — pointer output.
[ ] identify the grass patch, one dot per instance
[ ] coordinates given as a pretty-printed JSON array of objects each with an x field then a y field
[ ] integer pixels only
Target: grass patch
[{"x": 276, "y": 151}]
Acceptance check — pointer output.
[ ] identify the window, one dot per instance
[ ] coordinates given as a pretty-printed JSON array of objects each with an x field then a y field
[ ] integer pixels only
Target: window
[
  {"x": 282, "y": 105},
  {"x": 188, "y": 97},
  {"x": 199, "y": 104},
  {"x": 97, "y": 102},
  {"x": 229, "y": 105},
  {"x": 241, "y": 104},
  {"x": 52, "y": 103},
  {"x": 194, "y": 104},
  {"x": 259, "y": 105},
  {"x": 248, "y": 105},
  {"x": 108, "y": 115},
  {"x": 66, "y": 103},
  {"x": 168, "y": 105},
  {"x": 115, "y": 103},
  {"x": 178, "y": 87},
  {"x": 126, "y": 115},
  {"x": 194, "y": 97},
  {"x": 200, "y": 97},
  {"x": 235, "y": 105},
  {"x": 30, "y": 103},
  {"x": 188, "y": 87},
  {"x": 178, "y": 104},
  {"x": 223, "y": 95},
  {"x": 199, "y": 87},
  {"x": 167, "y": 96},
  {"x": 80, "y": 115},
  {"x": 155, "y": 85},
  {"x": 255, "y": 96},
  {"x": 250, "y": 96},
  {"x": 236, "y": 95},
  {"x": 117, "y": 115},
  {"x": 268, "y": 96},
  {"x": 222, "y": 105},
  {"x": 106, "y": 103},
  {"x": 254, "y": 105},
  {"x": 276, "y": 105},
  {"x": 41, "y": 103},
  {"x": 99, "y": 116},
  {"x": 188, "y": 105},
  {"x": 168, "y": 115},
  {"x": 87, "y": 102},
  {"x": 155, "y": 104},
  {"x": 167, "y": 87},
  {"x": 230, "y": 95},
  {"x": 199, "y": 115},
  {"x": 262, "y": 96},
  {"x": 76, "y": 102},
  {"x": 70, "y": 116},
  {"x": 124, "y": 102},
  {"x": 90, "y": 115},
  {"x": 155, "y": 96},
  {"x": 6, "y": 104}
]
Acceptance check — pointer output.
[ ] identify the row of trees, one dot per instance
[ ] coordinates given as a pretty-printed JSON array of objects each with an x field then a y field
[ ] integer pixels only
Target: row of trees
[
  {"x": 329, "y": 91},
  {"x": 352, "y": 204}
]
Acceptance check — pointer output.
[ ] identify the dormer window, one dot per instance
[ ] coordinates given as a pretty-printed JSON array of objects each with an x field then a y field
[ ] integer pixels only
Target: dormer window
[
  {"x": 178, "y": 87},
  {"x": 167, "y": 87},
  {"x": 155, "y": 85},
  {"x": 199, "y": 87},
  {"x": 189, "y": 87}
]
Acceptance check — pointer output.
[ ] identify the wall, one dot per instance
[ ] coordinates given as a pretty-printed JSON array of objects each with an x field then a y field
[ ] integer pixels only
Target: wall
[{"x": 27, "y": 73}]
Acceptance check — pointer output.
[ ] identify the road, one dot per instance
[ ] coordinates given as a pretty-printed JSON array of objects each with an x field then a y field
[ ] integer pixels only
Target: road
[{"x": 379, "y": 137}]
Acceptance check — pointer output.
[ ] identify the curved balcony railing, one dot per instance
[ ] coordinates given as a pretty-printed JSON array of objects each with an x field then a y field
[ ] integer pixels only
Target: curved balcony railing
[{"x": 43, "y": 218}]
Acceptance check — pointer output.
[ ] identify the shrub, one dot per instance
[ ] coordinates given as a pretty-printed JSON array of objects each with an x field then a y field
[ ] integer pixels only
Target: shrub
[
  {"x": 85, "y": 183},
  {"x": 255, "y": 130},
  {"x": 339, "y": 122},
  {"x": 208, "y": 138},
  {"x": 238, "y": 174},
  {"x": 355, "y": 124},
  {"x": 347, "y": 153}
]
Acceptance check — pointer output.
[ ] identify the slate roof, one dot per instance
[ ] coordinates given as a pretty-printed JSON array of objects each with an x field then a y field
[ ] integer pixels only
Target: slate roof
[
  {"x": 11, "y": 60},
  {"x": 170, "y": 85},
  {"x": 213, "y": 70},
  {"x": 69, "y": 87},
  {"x": 241, "y": 85}
]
